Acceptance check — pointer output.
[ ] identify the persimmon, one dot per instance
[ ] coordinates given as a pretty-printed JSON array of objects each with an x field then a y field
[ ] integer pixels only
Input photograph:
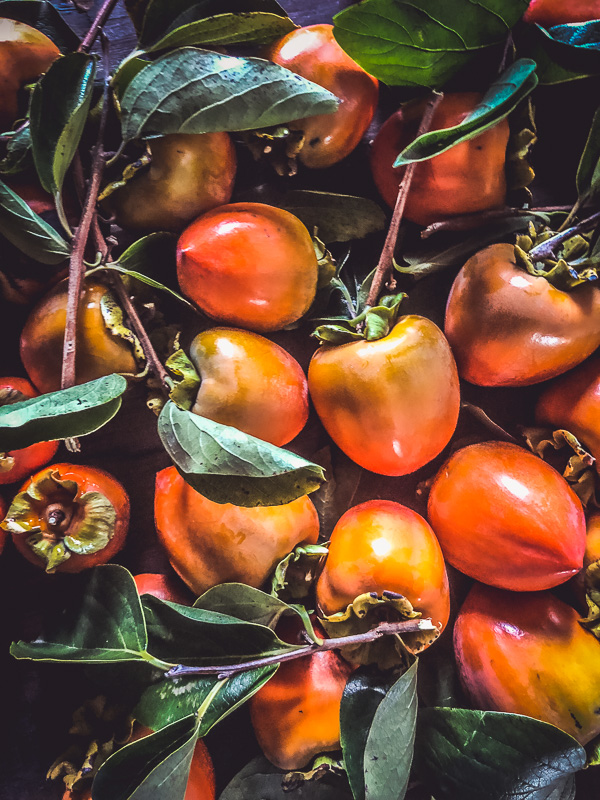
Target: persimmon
[
  {"x": 210, "y": 543},
  {"x": 250, "y": 265},
  {"x": 313, "y": 53},
  {"x": 18, "y": 464},
  {"x": 68, "y": 518}
]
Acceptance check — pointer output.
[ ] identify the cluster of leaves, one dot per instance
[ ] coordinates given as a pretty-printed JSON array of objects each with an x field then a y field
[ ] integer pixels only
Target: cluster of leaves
[{"x": 169, "y": 84}]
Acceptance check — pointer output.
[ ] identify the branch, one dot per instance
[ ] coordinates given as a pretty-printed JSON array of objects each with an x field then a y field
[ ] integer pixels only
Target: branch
[
  {"x": 468, "y": 222},
  {"x": 385, "y": 629},
  {"x": 105, "y": 11},
  {"x": 386, "y": 259},
  {"x": 76, "y": 264},
  {"x": 546, "y": 249}
]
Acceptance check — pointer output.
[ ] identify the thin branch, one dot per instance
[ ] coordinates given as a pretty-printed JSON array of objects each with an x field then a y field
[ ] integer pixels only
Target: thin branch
[
  {"x": 546, "y": 249},
  {"x": 385, "y": 629},
  {"x": 467, "y": 222},
  {"x": 76, "y": 262},
  {"x": 105, "y": 11},
  {"x": 386, "y": 259}
]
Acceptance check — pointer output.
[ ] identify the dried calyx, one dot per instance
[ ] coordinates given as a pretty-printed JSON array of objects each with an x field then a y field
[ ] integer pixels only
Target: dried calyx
[{"x": 564, "y": 262}]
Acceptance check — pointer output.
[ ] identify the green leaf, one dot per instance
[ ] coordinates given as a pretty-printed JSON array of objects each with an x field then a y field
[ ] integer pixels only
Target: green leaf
[
  {"x": 588, "y": 172},
  {"x": 28, "y": 231},
  {"x": 389, "y": 748},
  {"x": 58, "y": 111},
  {"x": 61, "y": 415},
  {"x": 475, "y": 754},
  {"x": 363, "y": 693},
  {"x": 172, "y": 699},
  {"x": 125, "y": 73},
  {"x": 422, "y": 42},
  {"x": 260, "y": 779},
  {"x": 199, "y": 91},
  {"x": 45, "y": 18},
  {"x": 229, "y": 466},
  {"x": 18, "y": 152},
  {"x": 166, "y": 15},
  {"x": 103, "y": 622},
  {"x": 502, "y": 97},
  {"x": 226, "y": 29},
  {"x": 195, "y": 637},
  {"x": 153, "y": 768},
  {"x": 245, "y": 603}
]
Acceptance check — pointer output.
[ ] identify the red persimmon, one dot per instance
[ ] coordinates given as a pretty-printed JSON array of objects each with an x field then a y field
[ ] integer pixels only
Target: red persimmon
[
  {"x": 560, "y": 12},
  {"x": 506, "y": 518},
  {"x": 68, "y": 518},
  {"x": 18, "y": 464}
]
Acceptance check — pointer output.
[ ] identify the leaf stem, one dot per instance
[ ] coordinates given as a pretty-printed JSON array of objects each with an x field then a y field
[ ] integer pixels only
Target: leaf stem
[
  {"x": 76, "y": 262},
  {"x": 386, "y": 259},
  {"x": 103, "y": 14},
  {"x": 385, "y": 629},
  {"x": 546, "y": 249}
]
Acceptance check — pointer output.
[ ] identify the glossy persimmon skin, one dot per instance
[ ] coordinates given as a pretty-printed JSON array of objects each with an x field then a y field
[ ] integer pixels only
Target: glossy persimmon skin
[
  {"x": 88, "y": 479},
  {"x": 381, "y": 546},
  {"x": 572, "y": 402},
  {"x": 296, "y": 714},
  {"x": 528, "y": 654},
  {"x": 313, "y": 53},
  {"x": 509, "y": 328},
  {"x": 506, "y": 518},
  {"x": 559, "y": 12},
  {"x": 3, "y": 534},
  {"x": 210, "y": 543},
  {"x": 27, "y": 459},
  {"x": 189, "y": 174},
  {"x": 98, "y": 352},
  {"x": 250, "y": 383},
  {"x": 249, "y": 265},
  {"x": 391, "y": 404},
  {"x": 467, "y": 178},
  {"x": 24, "y": 54}
]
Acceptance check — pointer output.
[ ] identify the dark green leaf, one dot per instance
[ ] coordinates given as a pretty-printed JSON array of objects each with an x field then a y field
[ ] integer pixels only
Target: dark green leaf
[
  {"x": 149, "y": 282},
  {"x": 195, "y": 637},
  {"x": 18, "y": 152},
  {"x": 175, "y": 698},
  {"x": 389, "y": 749},
  {"x": 475, "y": 754},
  {"x": 243, "y": 602},
  {"x": 61, "y": 415},
  {"x": 28, "y": 231},
  {"x": 126, "y": 72},
  {"x": 556, "y": 62},
  {"x": 229, "y": 466},
  {"x": 226, "y": 29},
  {"x": 58, "y": 110},
  {"x": 167, "y": 15},
  {"x": 152, "y": 260},
  {"x": 363, "y": 693},
  {"x": 199, "y": 91},
  {"x": 574, "y": 47},
  {"x": 336, "y": 217},
  {"x": 45, "y": 18},
  {"x": 588, "y": 172},
  {"x": 260, "y": 779},
  {"x": 515, "y": 83},
  {"x": 422, "y": 42},
  {"x": 153, "y": 768},
  {"x": 103, "y": 622}
]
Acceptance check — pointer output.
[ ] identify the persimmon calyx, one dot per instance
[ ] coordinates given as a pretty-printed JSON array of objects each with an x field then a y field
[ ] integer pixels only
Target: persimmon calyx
[
  {"x": 569, "y": 265},
  {"x": 7, "y": 462},
  {"x": 368, "y": 610},
  {"x": 59, "y": 521},
  {"x": 374, "y": 322},
  {"x": 112, "y": 314},
  {"x": 295, "y": 574},
  {"x": 592, "y": 596}
]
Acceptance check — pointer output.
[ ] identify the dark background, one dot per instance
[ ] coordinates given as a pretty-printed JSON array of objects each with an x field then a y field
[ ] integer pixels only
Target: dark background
[{"x": 36, "y": 703}]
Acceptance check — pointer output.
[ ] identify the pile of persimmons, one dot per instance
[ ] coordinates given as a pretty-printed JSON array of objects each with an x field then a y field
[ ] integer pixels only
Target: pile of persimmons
[{"x": 316, "y": 470}]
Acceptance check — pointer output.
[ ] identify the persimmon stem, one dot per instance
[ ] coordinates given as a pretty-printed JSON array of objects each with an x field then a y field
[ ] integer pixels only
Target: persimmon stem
[
  {"x": 76, "y": 262},
  {"x": 386, "y": 259},
  {"x": 469, "y": 222},
  {"x": 385, "y": 629},
  {"x": 103, "y": 14},
  {"x": 546, "y": 249}
]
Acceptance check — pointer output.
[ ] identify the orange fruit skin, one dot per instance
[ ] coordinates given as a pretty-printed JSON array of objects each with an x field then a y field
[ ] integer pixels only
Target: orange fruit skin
[
  {"x": 248, "y": 265},
  {"x": 210, "y": 543},
  {"x": 313, "y": 53},
  {"x": 559, "y": 12}
]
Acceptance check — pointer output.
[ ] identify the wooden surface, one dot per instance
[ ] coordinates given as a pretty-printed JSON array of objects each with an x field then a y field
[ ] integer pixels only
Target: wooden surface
[{"x": 37, "y": 702}]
